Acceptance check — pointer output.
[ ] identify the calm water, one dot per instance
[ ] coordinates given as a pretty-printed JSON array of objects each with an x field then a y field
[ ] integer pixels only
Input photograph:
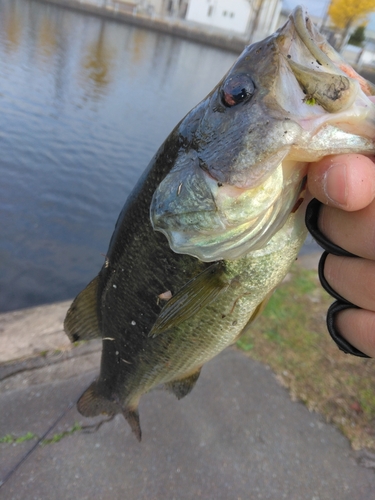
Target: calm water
[{"x": 84, "y": 104}]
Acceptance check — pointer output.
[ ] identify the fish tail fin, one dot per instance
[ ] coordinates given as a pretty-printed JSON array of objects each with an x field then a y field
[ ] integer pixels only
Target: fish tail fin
[
  {"x": 93, "y": 403},
  {"x": 132, "y": 417}
]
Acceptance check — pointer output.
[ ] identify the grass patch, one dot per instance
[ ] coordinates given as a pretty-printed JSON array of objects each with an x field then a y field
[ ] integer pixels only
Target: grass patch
[
  {"x": 10, "y": 439},
  {"x": 60, "y": 435},
  {"x": 291, "y": 337}
]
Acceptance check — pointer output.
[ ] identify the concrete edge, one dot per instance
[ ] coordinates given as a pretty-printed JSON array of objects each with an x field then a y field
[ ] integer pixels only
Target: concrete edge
[{"x": 162, "y": 25}]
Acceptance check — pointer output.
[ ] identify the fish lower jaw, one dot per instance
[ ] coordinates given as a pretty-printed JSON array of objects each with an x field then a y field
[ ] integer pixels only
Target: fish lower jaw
[{"x": 221, "y": 245}]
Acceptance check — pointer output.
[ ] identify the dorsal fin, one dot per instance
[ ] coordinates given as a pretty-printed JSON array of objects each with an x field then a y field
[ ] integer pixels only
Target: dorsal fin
[{"x": 81, "y": 322}]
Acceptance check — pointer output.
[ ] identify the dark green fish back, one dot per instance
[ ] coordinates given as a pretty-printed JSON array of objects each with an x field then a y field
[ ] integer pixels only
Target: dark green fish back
[{"x": 122, "y": 304}]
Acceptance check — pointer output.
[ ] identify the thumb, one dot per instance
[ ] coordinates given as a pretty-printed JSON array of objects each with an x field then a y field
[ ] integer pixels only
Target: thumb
[{"x": 343, "y": 181}]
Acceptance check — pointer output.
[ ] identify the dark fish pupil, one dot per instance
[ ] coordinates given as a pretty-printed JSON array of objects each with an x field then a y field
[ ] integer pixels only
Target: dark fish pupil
[
  {"x": 237, "y": 89},
  {"x": 239, "y": 94}
]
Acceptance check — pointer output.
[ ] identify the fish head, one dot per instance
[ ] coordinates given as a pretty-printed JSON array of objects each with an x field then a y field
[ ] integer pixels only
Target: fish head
[{"x": 243, "y": 151}]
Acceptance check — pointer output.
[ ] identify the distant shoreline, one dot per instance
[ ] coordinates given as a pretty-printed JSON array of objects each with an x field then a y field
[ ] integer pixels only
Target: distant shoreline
[{"x": 174, "y": 27}]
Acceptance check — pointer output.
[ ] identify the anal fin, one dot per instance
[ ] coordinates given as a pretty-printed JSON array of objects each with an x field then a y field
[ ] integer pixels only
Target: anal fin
[
  {"x": 183, "y": 386},
  {"x": 81, "y": 321},
  {"x": 132, "y": 417}
]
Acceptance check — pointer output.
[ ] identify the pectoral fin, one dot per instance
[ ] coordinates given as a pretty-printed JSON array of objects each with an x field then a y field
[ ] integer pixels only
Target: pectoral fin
[
  {"x": 81, "y": 321},
  {"x": 194, "y": 296}
]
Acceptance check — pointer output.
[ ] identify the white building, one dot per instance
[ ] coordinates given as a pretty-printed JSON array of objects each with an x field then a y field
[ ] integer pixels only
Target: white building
[
  {"x": 163, "y": 8},
  {"x": 229, "y": 15},
  {"x": 266, "y": 18},
  {"x": 254, "y": 19}
]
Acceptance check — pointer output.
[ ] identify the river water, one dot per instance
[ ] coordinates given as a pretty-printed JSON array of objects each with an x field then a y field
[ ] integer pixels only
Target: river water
[{"x": 84, "y": 104}]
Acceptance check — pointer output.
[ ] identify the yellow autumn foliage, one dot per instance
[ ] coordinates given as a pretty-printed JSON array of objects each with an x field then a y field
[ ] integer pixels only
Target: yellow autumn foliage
[{"x": 345, "y": 13}]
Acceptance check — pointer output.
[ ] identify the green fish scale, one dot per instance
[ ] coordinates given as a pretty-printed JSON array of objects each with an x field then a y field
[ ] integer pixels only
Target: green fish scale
[{"x": 186, "y": 347}]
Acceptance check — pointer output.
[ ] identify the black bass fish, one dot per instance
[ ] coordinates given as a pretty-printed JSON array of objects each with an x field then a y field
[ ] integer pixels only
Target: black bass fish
[{"x": 217, "y": 218}]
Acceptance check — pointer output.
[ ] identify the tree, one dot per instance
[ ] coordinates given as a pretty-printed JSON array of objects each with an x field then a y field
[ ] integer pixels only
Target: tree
[
  {"x": 346, "y": 14},
  {"x": 358, "y": 36}
]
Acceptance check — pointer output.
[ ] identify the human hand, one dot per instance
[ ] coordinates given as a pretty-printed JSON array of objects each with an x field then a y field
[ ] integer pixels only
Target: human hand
[{"x": 345, "y": 184}]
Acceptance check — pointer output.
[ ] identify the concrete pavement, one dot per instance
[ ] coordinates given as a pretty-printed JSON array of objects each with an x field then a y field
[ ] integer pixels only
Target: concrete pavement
[{"x": 238, "y": 435}]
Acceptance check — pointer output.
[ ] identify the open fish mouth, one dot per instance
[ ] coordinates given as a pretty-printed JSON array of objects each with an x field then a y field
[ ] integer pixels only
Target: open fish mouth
[
  {"x": 287, "y": 101},
  {"x": 333, "y": 94}
]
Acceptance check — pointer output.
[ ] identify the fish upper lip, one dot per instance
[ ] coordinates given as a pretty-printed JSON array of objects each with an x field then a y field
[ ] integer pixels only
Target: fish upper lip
[
  {"x": 323, "y": 52},
  {"x": 300, "y": 20}
]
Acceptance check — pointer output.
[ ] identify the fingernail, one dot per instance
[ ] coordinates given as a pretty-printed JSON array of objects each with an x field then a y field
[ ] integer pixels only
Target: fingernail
[{"x": 335, "y": 185}]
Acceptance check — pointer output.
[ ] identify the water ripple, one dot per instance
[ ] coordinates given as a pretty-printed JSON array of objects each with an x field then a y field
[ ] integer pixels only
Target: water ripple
[{"x": 84, "y": 105}]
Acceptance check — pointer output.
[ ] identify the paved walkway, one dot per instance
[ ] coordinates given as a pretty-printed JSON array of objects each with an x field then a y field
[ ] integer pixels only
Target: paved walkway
[{"x": 236, "y": 436}]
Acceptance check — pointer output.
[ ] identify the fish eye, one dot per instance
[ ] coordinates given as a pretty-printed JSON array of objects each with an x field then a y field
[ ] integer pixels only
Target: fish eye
[{"x": 237, "y": 89}]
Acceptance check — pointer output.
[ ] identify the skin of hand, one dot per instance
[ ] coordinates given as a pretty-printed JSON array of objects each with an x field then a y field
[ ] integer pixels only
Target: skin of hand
[{"x": 345, "y": 184}]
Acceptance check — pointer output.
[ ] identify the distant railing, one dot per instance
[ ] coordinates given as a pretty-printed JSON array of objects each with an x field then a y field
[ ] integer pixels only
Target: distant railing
[{"x": 121, "y": 6}]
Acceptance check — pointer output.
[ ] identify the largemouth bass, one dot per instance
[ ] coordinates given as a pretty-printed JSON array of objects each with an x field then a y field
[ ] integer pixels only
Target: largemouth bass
[{"x": 217, "y": 218}]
